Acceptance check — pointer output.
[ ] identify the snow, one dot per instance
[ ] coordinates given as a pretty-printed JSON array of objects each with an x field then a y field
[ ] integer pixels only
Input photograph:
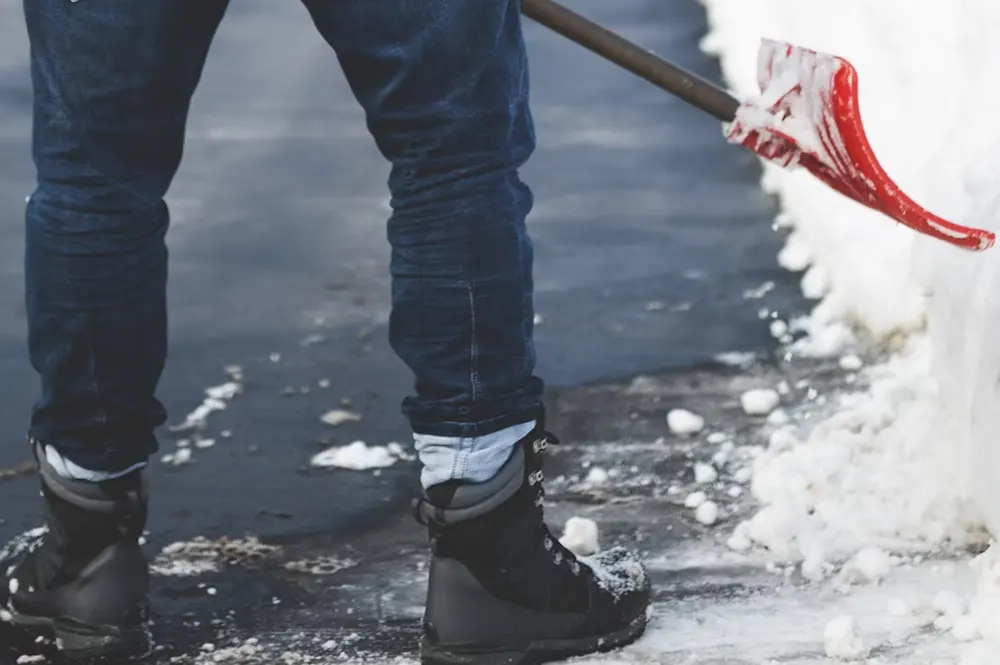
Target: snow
[
  {"x": 684, "y": 423},
  {"x": 707, "y": 513},
  {"x": 872, "y": 563},
  {"x": 841, "y": 639},
  {"x": 965, "y": 628},
  {"x": 580, "y": 536},
  {"x": 909, "y": 463},
  {"x": 948, "y": 603},
  {"x": 759, "y": 401},
  {"x": 851, "y": 362},
  {"x": 596, "y": 476},
  {"x": 695, "y": 499},
  {"x": 339, "y": 417},
  {"x": 705, "y": 474},
  {"x": 358, "y": 456}
]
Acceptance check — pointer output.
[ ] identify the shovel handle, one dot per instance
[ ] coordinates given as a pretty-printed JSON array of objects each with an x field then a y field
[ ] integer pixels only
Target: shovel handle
[{"x": 693, "y": 89}]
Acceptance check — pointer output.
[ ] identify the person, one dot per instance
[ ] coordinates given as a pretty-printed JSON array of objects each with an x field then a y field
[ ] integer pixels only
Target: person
[{"x": 444, "y": 85}]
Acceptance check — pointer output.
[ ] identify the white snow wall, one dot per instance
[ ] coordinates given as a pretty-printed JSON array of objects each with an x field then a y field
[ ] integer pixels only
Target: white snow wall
[{"x": 929, "y": 75}]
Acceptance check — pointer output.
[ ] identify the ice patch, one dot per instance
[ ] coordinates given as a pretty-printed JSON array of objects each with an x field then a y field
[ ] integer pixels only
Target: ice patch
[
  {"x": 201, "y": 555},
  {"x": 321, "y": 566}
]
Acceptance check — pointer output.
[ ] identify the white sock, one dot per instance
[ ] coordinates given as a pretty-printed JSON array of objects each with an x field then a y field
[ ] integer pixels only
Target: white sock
[
  {"x": 474, "y": 459},
  {"x": 68, "y": 469}
]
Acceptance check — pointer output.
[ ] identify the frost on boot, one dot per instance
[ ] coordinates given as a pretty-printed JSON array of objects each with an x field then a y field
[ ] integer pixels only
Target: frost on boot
[
  {"x": 82, "y": 578},
  {"x": 504, "y": 591}
]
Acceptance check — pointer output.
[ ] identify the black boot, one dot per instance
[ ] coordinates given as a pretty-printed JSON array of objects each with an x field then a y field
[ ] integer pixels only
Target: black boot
[
  {"x": 83, "y": 578},
  {"x": 504, "y": 591}
]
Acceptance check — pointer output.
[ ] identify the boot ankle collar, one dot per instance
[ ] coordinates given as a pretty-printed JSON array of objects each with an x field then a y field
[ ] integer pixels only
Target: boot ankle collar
[
  {"x": 468, "y": 501},
  {"x": 471, "y": 500},
  {"x": 94, "y": 497}
]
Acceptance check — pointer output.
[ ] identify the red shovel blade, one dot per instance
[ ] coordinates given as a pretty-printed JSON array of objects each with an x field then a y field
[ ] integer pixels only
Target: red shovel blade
[{"x": 808, "y": 116}]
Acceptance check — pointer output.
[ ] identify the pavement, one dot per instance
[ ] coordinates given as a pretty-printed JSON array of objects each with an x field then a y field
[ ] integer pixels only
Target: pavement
[{"x": 654, "y": 255}]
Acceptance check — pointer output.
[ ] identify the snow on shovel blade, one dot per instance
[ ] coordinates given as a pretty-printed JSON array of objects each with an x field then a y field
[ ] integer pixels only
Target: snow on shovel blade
[{"x": 808, "y": 116}]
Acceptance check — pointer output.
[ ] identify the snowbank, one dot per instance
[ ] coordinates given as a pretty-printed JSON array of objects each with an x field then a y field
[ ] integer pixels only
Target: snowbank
[{"x": 895, "y": 467}]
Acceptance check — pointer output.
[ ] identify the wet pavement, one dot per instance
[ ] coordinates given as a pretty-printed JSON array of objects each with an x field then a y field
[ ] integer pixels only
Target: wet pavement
[{"x": 649, "y": 230}]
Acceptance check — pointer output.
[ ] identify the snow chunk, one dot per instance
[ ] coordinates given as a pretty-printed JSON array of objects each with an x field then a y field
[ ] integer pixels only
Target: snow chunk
[
  {"x": 580, "y": 536},
  {"x": 851, "y": 363},
  {"x": 357, "y": 456},
  {"x": 695, "y": 499},
  {"x": 965, "y": 628},
  {"x": 948, "y": 603},
  {"x": 842, "y": 640},
  {"x": 596, "y": 476},
  {"x": 707, "y": 513},
  {"x": 872, "y": 563},
  {"x": 778, "y": 417},
  {"x": 705, "y": 474},
  {"x": 684, "y": 423},
  {"x": 759, "y": 401},
  {"x": 899, "y": 608},
  {"x": 339, "y": 417}
]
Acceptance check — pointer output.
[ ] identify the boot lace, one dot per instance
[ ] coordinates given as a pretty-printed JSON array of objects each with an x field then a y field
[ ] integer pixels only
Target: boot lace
[{"x": 561, "y": 556}]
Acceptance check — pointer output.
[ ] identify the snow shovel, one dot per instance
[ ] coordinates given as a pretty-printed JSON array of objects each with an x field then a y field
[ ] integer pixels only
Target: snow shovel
[{"x": 807, "y": 116}]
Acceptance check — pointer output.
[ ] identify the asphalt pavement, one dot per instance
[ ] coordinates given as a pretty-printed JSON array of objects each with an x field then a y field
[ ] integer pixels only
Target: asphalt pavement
[{"x": 654, "y": 254}]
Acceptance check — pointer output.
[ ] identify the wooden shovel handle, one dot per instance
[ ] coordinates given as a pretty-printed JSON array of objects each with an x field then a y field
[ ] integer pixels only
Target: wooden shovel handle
[{"x": 613, "y": 47}]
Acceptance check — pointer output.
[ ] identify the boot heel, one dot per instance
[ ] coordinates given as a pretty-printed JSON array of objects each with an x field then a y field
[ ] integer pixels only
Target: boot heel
[{"x": 81, "y": 642}]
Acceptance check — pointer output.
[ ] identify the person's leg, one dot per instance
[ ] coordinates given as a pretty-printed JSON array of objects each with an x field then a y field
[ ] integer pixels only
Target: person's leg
[
  {"x": 444, "y": 84},
  {"x": 112, "y": 83},
  {"x": 445, "y": 88}
]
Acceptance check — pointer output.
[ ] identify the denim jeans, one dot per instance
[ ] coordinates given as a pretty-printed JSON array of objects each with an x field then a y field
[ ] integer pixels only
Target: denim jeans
[{"x": 444, "y": 85}]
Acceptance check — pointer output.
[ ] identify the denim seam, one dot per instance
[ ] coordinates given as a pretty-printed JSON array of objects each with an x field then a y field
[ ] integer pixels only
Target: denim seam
[
  {"x": 473, "y": 348},
  {"x": 465, "y": 452},
  {"x": 101, "y": 415},
  {"x": 465, "y": 445}
]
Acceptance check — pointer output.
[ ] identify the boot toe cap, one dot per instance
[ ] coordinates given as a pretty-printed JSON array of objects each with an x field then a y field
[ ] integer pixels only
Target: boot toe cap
[{"x": 621, "y": 590}]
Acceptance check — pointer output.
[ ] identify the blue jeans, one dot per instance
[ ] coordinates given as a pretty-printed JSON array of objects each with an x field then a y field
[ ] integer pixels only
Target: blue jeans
[{"x": 444, "y": 84}]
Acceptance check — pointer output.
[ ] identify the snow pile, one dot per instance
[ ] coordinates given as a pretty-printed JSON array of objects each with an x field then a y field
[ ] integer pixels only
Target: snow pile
[
  {"x": 910, "y": 464},
  {"x": 876, "y": 473},
  {"x": 892, "y": 467},
  {"x": 359, "y": 456}
]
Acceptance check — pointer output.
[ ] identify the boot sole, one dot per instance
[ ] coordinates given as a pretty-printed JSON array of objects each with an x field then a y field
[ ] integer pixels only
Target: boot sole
[
  {"x": 537, "y": 652},
  {"x": 82, "y": 643}
]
